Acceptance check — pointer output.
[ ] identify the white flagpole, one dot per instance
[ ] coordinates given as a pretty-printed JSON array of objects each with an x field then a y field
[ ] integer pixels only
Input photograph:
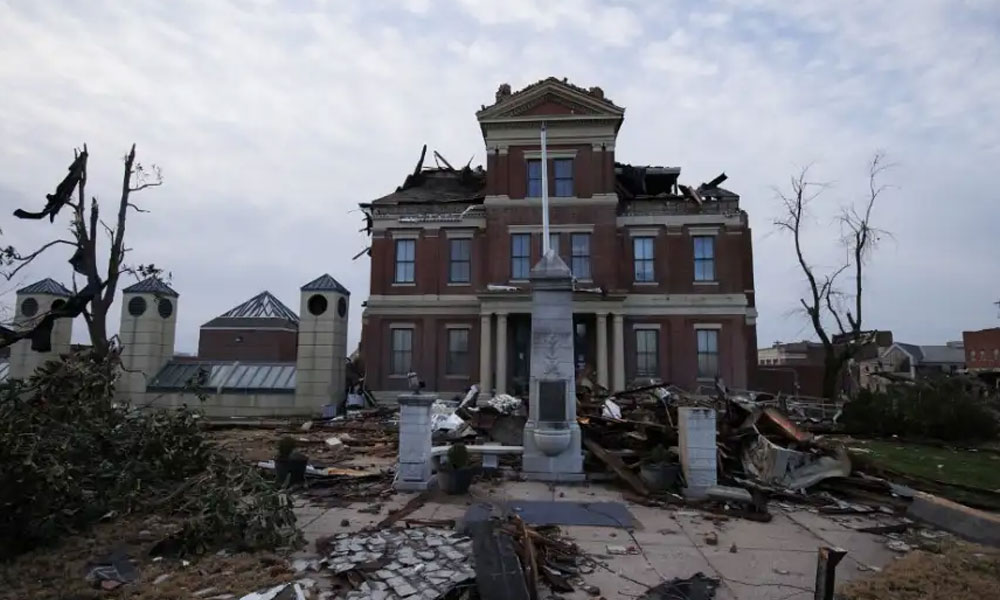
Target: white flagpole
[{"x": 545, "y": 196}]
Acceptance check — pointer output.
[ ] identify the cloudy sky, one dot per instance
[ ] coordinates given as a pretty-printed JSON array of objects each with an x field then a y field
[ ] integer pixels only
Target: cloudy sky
[{"x": 272, "y": 120}]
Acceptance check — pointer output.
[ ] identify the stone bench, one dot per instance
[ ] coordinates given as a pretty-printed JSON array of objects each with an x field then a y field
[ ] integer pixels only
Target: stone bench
[{"x": 490, "y": 453}]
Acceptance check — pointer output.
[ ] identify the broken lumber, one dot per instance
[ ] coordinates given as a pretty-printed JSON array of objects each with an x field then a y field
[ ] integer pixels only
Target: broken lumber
[{"x": 616, "y": 465}]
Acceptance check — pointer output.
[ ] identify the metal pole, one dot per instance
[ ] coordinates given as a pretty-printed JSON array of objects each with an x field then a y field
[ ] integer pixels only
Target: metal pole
[
  {"x": 545, "y": 196},
  {"x": 826, "y": 571}
]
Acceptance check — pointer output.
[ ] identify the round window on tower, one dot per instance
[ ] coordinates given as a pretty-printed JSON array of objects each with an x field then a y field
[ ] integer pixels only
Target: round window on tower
[
  {"x": 165, "y": 307},
  {"x": 317, "y": 305},
  {"x": 58, "y": 304},
  {"x": 342, "y": 307},
  {"x": 29, "y": 307},
  {"x": 137, "y": 306}
]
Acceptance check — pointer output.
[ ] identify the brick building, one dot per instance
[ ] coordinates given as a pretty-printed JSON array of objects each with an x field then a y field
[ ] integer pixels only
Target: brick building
[
  {"x": 663, "y": 271},
  {"x": 982, "y": 354}
]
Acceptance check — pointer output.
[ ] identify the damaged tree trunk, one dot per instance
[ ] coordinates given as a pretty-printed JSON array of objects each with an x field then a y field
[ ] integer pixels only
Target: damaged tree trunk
[
  {"x": 98, "y": 293},
  {"x": 825, "y": 299}
]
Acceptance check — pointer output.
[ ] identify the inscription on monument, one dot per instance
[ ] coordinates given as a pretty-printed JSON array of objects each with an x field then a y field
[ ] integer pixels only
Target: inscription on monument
[{"x": 552, "y": 400}]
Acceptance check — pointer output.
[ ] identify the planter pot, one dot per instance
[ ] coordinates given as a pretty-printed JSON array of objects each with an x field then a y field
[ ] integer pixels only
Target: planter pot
[
  {"x": 291, "y": 470},
  {"x": 455, "y": 481},
  {"x": 660, "y": 477}
]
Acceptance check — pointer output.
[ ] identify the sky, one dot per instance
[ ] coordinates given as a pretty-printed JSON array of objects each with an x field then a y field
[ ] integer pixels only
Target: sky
[{"x": 271, "y": 121}]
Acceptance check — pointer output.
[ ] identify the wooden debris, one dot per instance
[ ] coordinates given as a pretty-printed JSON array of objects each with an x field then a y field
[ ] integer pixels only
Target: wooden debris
[
  {"x": 616, "y": 465},
  {"x": 407, "y": 509}
]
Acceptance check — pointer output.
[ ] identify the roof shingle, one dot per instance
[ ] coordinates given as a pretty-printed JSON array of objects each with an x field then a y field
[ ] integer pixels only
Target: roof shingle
[
  {"x": 325, "y": 283},
  {"x": 151, "y": 285},
  {"x": 46, "y": 286}
]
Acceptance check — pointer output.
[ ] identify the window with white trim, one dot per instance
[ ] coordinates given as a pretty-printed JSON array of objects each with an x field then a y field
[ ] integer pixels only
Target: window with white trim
[
  {"x": 708, "y": 353},
  {"x": 457, "y": 362},
  {"x": 402, "y": 351},
  {"x": 534, "y": 178},
  {"x": 460, "y": 260},
  {"x": 520, "y": 255},
  {"x": 647, "y": 355},
  {"x": 563, "y": 168},
  {"x": 580, "y": 255},
  {"x": 405, "y": 260},
  {"x": 642, "y": 250},
  {"x": 704, "y": 257}
]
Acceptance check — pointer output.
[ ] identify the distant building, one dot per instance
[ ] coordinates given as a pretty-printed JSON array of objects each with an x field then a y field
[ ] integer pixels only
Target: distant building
[
  {"x": 257, "y": 359},
  {"x": 982, "y": 353},
  {"x": 798, "y": 367},
  {"x": 663, "y": 271},
  {"x": 911, "y": 361}
]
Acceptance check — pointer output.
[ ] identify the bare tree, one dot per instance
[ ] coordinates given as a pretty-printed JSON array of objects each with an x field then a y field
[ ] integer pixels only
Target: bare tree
[
  {"x": 98, "y": 291},
  {"x": 825, "y": 302}
]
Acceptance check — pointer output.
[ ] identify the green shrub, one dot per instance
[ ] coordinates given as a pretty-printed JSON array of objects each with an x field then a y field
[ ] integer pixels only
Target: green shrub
[
  {"x": 940, "y": 409},
  {"x": 70, "y": 456},
  {"x": 458, "y": 456}
]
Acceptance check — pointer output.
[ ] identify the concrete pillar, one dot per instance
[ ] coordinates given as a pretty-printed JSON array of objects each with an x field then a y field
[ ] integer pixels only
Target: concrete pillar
[
  {"x": 602, "y": 349},
  {"x": 147, "y": 333},
  {"x": 501, "y": 353},
  {"x": 413, "y": 473},
  {"x": 696, "y": 438},
  {"x": 485, "y": 362},
  {"x": 619, "y": 353},
  {"x": 320, "y": 363}
]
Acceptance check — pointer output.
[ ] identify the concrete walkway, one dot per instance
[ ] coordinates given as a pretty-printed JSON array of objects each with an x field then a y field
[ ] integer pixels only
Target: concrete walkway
[{"x": 775, "y": 560}]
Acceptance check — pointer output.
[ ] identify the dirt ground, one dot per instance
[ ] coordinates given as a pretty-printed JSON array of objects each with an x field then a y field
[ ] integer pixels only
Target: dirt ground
[
  {"x": 261, "y": 444},
  {"x": 955, "y": 571},
  {"x": 59, "y": 572}
]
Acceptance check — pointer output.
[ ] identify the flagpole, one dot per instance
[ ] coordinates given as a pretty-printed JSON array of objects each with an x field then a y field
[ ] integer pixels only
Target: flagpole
[{"x": 545, "y": 196}]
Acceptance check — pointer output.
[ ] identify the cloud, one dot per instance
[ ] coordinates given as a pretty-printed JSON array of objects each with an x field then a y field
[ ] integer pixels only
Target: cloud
[{"x": 273, "y": 120}]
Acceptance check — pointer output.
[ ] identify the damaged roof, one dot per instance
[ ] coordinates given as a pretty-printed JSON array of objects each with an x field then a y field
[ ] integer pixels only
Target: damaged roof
[
  {"x": 439, "y": 185},
  {"x": 635, "y": 181},
  {"x": 933, "y": 354},
  {"x": 263, "y": 311}
]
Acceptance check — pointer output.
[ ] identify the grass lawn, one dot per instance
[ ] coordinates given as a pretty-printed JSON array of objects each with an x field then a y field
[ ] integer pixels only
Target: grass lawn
[{"x": 977, "y": 469}]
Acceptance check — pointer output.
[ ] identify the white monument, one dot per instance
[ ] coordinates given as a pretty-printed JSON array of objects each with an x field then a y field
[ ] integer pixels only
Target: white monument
[{"x": 552, "y": 436}]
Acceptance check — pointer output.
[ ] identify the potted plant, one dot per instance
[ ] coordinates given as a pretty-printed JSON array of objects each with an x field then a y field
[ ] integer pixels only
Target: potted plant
[
  {"x": 658, "y": 471},
  {"x": 455, "y": 474},
  {"x": 289, "y": 465}
]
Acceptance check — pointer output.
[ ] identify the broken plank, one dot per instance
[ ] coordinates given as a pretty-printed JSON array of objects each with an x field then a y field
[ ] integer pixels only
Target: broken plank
[
  {"x": 407, "y": 509},
  {"x": 616, "y": 465}
]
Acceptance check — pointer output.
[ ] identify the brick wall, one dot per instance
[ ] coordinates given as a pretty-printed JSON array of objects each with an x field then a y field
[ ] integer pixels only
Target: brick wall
[
  {"x": 248, "y": 345},
  {"x": 982, "y": 348}
]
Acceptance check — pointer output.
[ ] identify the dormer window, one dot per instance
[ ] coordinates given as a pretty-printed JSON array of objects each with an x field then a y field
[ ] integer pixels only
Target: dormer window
[
  {"x": 564, "y": 177},
  {"x": 534, "y": 178}
]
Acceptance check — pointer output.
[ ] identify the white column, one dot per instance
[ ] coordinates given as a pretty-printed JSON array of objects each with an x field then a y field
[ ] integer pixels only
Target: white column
[
  {"x": 602, "y": 349},
  {"x": 619, "y": 354},
  {"x": 501, "y": 353},
  {"x": 485, "y": 364}
]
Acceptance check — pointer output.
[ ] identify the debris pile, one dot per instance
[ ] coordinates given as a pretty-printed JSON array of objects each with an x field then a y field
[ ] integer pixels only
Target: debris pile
[{"x": 418, "y": 563}]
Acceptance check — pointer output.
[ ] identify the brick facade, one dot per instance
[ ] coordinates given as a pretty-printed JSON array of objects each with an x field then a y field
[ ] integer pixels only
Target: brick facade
[
  {"x": 264, "y": 345},
  {"x": 609, "y": 305},
  {"x": 982, "y": 349}
]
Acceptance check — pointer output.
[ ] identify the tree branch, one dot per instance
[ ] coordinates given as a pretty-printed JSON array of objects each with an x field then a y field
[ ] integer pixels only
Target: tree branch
[{"x": 11, "y": 256}]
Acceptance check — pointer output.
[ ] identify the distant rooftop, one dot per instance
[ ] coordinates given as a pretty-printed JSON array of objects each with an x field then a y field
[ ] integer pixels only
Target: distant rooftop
[
  {"x": 46, "y": 286},
  {"x": 325, "y": 283},
  {"x": 947, "y": 354},
  {"x": 151, "y": 285},
  {"x": 263, "y": 311}
]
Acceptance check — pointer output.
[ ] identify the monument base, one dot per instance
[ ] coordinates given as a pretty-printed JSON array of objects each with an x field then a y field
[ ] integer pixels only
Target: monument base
[{"x": 567, "y": 466}]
